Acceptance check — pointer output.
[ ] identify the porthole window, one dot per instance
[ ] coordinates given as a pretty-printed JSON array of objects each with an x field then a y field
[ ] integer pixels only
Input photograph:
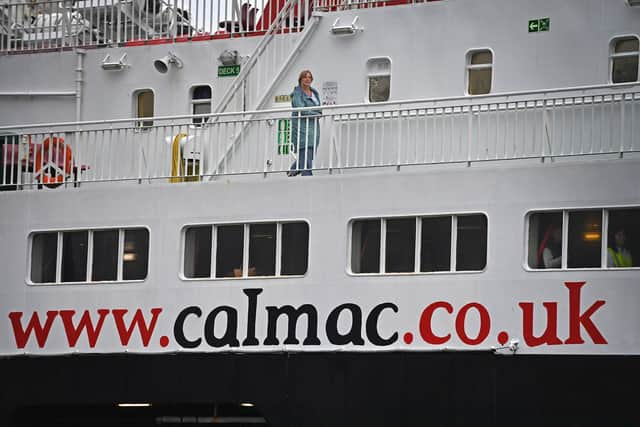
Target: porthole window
[
  {"x": 378, "y": 79},
  {"x": 143, "y": 106},
  {"x": 246, "y": 250},
  {"x": 419, "y": 244},
  {"x": 81, "y": 256},
  {"x": 625, "y": 52},
  {"x": 587, "y": 238},
  {"x": 479, "y": 72},
  {"x": 200, "y": 103}
]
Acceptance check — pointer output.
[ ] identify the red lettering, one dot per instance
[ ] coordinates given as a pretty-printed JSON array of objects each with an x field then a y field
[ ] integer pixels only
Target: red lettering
[
  {"x": 138, "y": 322},
  {"x": 550, "y": 334},
  {"x": 85, "y": 323},
  {"x": 42, "y": 332},
  {"x": 576, "y": 319},
  {"x": 425, "y": 323},
  {"x": 485, "y": 324}
]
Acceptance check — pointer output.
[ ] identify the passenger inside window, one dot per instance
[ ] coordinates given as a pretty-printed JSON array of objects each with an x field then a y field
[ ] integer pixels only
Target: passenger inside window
[
  {"x": 545, "y": 240},
  {"x": 551, "y": 247},
  {"x": 617, "y": 253},
  {"x": 623, "y": 245}
]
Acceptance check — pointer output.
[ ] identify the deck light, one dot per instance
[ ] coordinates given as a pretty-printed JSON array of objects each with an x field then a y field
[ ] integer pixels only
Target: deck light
[
  {"x": 345, "y": 30},
  {"x": 109, "y": 65},
  {"x": 134, "y": 405},
  {"x": 162, "y": 64},
  {"x": 247, "y": 404}
]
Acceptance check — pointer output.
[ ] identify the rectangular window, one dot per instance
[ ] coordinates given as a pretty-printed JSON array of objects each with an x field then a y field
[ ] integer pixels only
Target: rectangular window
[
  {"x": 471, "y": 249},
  {"x": 246, "y": 250},
  {"x": 89, "y": 255},
  {"x": 584, "y": 239},
  {"x": 136, "y": 254},
  {"x": 379, "y": 79},
  {"x": 624, "y": 56},
  {"x": 201, "y": 103},
  {"x": 229, "y": 250},
  {"x": 74, "y": 256},
  {"x": 400, "y": 237},
  {"x": 144, "y": 101},
  {"x": 262, "y": 250},
  {"x": 105, "y": 255},
  {"x": 479, "y": 72},
  {"x": 197, "y": 252},
  {"x": 295, "y": 248},
  {"x": 623, "y": 242},
  {"x": 400, "y": 246},
  {"x": 588, "y": 238},
  {"x": 365, "y": 252},
  {"x": 44, "y": 247},
  {"x": 435, "y": 252}
]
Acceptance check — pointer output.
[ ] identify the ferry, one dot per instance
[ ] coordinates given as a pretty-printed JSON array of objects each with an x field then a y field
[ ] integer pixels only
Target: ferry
[{"x": 445, "y": 232}]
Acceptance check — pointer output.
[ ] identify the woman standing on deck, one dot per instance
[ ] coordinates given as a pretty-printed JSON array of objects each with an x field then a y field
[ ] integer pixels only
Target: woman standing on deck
[{"x": 305, "y": 132}]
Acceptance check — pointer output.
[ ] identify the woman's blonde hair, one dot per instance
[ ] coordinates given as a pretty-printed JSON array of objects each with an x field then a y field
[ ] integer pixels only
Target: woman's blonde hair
[{"x": 302, "y": 74}]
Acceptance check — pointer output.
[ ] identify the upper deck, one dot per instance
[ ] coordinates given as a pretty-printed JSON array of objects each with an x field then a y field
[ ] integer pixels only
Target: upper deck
[{"x": 149, "y": 107}]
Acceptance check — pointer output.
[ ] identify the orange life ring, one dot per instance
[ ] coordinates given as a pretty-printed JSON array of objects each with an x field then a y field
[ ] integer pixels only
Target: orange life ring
[{"x": 53, "y": 149}]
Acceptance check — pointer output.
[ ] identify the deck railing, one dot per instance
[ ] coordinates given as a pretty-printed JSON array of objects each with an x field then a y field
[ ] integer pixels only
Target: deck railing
[
  {"x": 30, "y": 26},
  {"x": 53, "y": 25},
  {"x": 387, "y": 135}
]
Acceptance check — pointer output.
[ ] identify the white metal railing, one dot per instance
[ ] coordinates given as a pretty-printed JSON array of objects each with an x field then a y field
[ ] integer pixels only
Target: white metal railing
[
  {"x": 427, "y": 132},
  {"x": 44, "y": 25}
]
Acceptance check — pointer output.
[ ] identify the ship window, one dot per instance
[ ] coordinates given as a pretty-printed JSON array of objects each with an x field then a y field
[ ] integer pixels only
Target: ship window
[
  {"x": 545, "y": 240},
  {"x": 135, "y": 256},
  {"x": 143, "y": 100},
  {"x": 471, "y": 249},
  {"x": 229, "y": 250},
  {"x": 623, "y": 241},
  {"x": 428, "y": 240},
  {"x": 590, "y": 238},
  {"x": 201, "y": 103},
  {"x": 105, "y": 255},
  {"x": 435, "y": 253},
  {"x": 197, "y": 251},
  {"x": 479, "y": 72},
  {"x": 82, "y": 256},
  {"x": 624, "y": 60},
  {"x": 295, "y": 248},
  {"x": 74, "y": 256},
  {"x": 400, "y": 245},
  {"x": 246, "y": 250},
  {"x": 584, "y": 239},
  {"x": 44, "y": 247},
  {"x": 262, "y": 250},
  {"x": 365, "y": 253},
  {"x": 379, "y": 79}
]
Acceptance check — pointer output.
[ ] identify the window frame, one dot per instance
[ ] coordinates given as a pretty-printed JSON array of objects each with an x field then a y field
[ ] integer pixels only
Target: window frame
[
  {"x": 89, "y": 260},
  {"x": 193, "y": 102},
  {"x": 417, "y": 250},
  {"x": 245, "y": 250},
  {"x": 604, "y": 241},
  {"x": 469, "y": 66},
  {"x": 370, "y": 74},
  {"x": 139, "y": 121},
  {"x": 613, "y": 55}
]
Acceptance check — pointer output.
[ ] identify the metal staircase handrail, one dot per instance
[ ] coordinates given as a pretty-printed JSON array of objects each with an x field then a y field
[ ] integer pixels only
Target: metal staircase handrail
[{"x": 253, "y": 58}]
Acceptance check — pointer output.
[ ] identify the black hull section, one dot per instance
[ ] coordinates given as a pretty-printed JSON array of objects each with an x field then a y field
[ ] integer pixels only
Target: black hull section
[{"x": 325, "y": 389}]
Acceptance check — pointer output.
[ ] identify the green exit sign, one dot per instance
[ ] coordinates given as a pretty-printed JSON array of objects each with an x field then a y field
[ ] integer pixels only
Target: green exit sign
[
  {"x": 537, "y": 25},
  {"x": 228, "y": 70}
]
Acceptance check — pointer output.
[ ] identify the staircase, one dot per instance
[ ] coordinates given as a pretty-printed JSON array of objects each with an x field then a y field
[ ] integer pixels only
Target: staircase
[{"x": 264, "y": 69}]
